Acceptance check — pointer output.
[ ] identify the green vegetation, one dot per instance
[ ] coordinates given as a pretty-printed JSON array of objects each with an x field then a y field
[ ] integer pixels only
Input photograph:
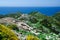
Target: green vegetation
[
  {"x": 31, "y": 37},
  {"x": 7, "y": 34},
  {"x": 57, "y": 16},
  {"x": 44, "y": 27}
]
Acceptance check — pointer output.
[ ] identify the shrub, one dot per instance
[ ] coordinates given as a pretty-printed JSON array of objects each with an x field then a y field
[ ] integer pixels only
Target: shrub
[
  {"x": 6, "y": 33},
  {"x": 31, "y": 37},
  {"x": 13, "y": 26}
]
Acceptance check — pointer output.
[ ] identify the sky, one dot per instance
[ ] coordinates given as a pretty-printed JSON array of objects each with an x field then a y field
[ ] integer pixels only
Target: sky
[{"x": 30, "y": 3}]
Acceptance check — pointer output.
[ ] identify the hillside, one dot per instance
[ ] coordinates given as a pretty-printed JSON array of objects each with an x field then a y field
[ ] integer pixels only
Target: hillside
[
  {"x": 7, "y": 34},
  {"x": 57, "y": 16},
  {"x": 33, "y": 26}
]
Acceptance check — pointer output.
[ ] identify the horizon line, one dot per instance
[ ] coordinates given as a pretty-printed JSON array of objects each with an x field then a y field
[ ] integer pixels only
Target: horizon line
[{"x": 29, "y": 6}]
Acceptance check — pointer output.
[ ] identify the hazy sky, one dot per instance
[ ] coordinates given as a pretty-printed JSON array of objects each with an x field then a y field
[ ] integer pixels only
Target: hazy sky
[{"x": 29, "y": 3}]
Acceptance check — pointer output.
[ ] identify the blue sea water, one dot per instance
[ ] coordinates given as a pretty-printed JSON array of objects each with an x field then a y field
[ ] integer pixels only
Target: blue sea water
[{"x": 44, "y": 10}]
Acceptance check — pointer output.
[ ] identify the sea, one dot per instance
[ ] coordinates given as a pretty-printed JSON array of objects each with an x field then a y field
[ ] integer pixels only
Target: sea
[{"x": 49, "y": 11}]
